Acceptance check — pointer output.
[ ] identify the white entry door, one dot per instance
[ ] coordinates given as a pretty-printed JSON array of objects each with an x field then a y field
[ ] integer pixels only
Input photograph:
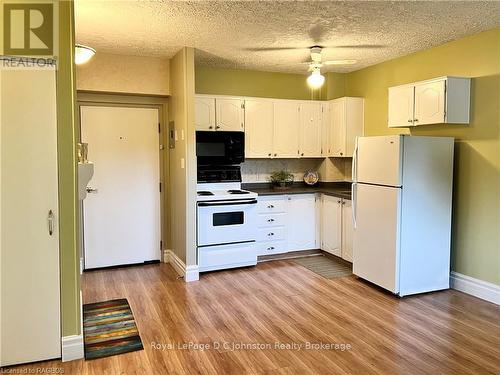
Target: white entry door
[{"x": 122, "y": 211}]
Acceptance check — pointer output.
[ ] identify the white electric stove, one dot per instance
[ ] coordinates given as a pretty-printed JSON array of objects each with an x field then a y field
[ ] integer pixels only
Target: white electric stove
[{"x": 227, "y": 220}]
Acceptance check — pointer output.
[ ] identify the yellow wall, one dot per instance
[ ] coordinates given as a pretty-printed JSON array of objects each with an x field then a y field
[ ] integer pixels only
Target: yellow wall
[
  {"x": 68, "y": 200},
  {"x": 124, "y": 74},
  {"x": 182, "y": 157},
  {"x": 476, "y": 226}
]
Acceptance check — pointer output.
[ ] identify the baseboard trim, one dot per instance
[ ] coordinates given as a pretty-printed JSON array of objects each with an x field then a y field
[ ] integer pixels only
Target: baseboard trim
[
  {"x": 475, "y": 287},
  {"x": 190, "y": 273},
  {"x": 72, "y": 348}
]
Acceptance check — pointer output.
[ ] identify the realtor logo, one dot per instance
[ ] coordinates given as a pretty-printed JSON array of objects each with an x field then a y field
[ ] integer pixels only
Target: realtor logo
[{"x": 28, "y": 29}]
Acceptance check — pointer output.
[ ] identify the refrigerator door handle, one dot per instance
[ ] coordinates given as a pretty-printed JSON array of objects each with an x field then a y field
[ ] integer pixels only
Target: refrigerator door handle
[
  {"x": 354, "y": 167},
  {"x": 354, "y": 188}
]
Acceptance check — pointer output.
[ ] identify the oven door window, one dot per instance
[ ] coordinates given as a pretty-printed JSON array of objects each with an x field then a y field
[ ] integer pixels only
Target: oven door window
[{"x": 228, "y": 218}]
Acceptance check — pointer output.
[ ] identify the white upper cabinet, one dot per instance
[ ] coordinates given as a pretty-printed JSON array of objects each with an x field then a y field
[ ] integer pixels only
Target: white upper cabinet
[
  {"x": 229, "y": 114},
  {"x": 347, "y": 121},
  {"x": 302, "y": 222},
  {"x": 401, "y": 106},
  {"x": 286, "y": 129},
  {"x": 326, "y": 145},
  {"x": 331, "y": 222},
  {"x": 310, "y": 129},
  {"x": 204, "y": 113},
  {"x": 259, "y": 128},
  {"x": 444, "y": 100}
]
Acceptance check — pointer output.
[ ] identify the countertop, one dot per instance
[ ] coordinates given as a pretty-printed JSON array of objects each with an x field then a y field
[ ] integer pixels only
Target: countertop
[{"x": 336, "y": 189}]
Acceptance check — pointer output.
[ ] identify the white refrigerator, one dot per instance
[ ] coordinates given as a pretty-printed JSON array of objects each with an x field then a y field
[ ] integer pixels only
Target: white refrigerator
[{"x": 402, "y": 207}]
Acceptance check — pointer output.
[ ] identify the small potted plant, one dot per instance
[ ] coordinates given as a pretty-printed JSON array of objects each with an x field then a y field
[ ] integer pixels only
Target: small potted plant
[{"x": 281, "y": 180}]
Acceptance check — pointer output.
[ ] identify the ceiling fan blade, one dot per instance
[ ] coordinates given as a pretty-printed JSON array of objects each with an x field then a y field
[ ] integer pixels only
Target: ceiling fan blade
[
  {"x": 359, "y": 46},
  {"x": 266, "y": 49},
  {"x": 340, "y": 62}
]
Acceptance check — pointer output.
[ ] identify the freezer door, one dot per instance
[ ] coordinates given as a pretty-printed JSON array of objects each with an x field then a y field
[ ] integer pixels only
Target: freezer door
[
  {"x": 379, "y": 160},
  {"x": 376, "y": 236}
]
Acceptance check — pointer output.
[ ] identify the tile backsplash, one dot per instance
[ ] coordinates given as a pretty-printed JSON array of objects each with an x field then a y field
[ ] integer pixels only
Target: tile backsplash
[{"x": 331, "y": 169}]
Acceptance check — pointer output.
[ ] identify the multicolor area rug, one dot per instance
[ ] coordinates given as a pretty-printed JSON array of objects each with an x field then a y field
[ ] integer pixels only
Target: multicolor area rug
[{"x": 109, "y": 328}]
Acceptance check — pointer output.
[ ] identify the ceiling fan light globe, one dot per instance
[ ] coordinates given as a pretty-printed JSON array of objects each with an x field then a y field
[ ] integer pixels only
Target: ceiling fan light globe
[
  {"x": 83, "y": 54},
  {"x": 316, "y": 80}
]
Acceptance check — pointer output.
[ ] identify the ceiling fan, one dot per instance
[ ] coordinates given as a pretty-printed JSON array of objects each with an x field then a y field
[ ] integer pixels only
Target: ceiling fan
[{"x": 316, "y": 79}]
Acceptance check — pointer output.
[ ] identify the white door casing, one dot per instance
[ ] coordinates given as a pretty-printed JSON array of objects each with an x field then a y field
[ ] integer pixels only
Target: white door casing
[
  {"x": 122, "y": 219},
  {"x": 29, "y": 268}
]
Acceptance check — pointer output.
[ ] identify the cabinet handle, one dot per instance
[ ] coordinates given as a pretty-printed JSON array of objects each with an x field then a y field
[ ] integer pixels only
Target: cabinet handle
[
  {"x": 416, "y": 120},
  {"x": 341, "y": 153},
  {"x": 338, "y": 201},
  {"x": 217, "y": 127},
  {"x": 343, "y": 203},
  {"x": 50, "y": 220},
  {"x": 410, "y": 121},
  {"x": 275, "y": 154},
  {"x": 210, "y": 127},
  {"x": 269, "y": 154},
  {"x": 302, "y": 154}
]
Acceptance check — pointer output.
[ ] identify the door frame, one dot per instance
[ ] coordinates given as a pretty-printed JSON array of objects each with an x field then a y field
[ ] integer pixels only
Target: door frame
[{"x": 160, "y": 103}]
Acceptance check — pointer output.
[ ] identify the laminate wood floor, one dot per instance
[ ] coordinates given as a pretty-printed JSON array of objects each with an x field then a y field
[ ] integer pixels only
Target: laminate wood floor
[{"x": 281, "y": 302}]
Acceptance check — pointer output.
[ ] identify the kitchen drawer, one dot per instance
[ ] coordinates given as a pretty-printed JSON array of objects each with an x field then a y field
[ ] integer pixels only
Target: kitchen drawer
[
  {"x": 271, "y": 205},
  {"x": 271, "y": 220},
  {"x": 271, "y": 247},
  {"x": 271, "y": 234},
  {"x": 219, "y": 257}
]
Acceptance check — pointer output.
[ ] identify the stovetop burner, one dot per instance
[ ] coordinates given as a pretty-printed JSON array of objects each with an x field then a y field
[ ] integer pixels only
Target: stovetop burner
[
  {"x": 238, "y": 192},
  {"x": 205, "y": 193}
]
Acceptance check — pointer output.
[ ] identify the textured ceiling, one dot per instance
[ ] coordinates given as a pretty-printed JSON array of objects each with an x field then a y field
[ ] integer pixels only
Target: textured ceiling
[{"x": 236, "y": 34}]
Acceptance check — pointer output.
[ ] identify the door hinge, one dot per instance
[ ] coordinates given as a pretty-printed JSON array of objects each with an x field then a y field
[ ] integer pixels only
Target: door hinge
[
  {"x": 161, "y": 245},
  {"x": 160, "y": 187},
  {"x": 243, "y": 105},
  {"x": 159, "y": 128},
  {"x": 298, "y": 152}
]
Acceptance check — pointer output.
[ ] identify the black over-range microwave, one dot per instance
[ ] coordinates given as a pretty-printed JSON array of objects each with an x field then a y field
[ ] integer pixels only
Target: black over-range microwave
[{"x": 220, "y": 147}]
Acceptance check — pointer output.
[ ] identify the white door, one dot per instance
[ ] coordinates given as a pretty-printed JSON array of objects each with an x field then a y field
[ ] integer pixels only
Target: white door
[
  {"x": 429, "y": 103},
  {"x": 376, "y": 237},
  {"x": 204, "y": 113},
  {"x": 310, "y": 129},
  {"x": 325, "y": 130},
  {"x": 229, "y": 114},
  {"x": 259, "y": 128},
  {"x": 122, "y": 217},
  {"x": 286, "y": 129},
  {"x": 338, "y": 128},
  {"x": 401, "y": 104},
  {"x": 29, "y": 247},
  {"x": 331, "y": 222},
  {"x": 347, "y": 230},
  {"x": 378, "y": 160},
  {"x": 301, "y": 222}
]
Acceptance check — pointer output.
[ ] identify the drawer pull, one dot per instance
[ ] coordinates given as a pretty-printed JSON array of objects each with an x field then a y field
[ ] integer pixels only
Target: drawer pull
[
  {"x": 270, "y": 206},
  {"x": 270, "y": 248},
  {"x": 270, "y": 234},
  {"x": 270, "y": 220}
]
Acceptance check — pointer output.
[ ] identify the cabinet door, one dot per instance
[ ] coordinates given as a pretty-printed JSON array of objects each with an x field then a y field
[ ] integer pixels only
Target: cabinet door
[
  {"x": 259, "y": 127},
  {"x": 429, "y": 103},
  {"x": 338, "y": 127},
  {"x": 326, "y": 145},
  {"x": 302, "y": 222},
  {"x": 347, "y": 230},
  {"x": 204, "y": 113},
  {"x": 286, "y": 129},
  {"x": 401, "y": 104},
  {"x": 331, "y": 223},
  {"x": 229, "y": 114},
  {"x": 310, "y": 129}
]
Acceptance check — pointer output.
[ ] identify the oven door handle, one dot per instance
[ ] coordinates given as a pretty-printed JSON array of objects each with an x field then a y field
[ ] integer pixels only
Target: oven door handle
[{"x": 233, "y": 203}]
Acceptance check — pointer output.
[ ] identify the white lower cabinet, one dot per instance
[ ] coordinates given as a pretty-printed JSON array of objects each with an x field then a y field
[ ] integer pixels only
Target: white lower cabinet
[
  {"x": 286, "y": 223},
  {"x": 336, "y": 226},
  {"x": 331, "y": 223}
]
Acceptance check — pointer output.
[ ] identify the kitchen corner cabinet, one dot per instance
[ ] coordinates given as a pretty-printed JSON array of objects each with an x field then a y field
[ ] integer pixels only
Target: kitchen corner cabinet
[
  {"x": 310, "y": 129},
  {"x": 222, "y": 114},
  {"x": 336, "y": 226},
  {"x": 443, "y": 100},
  {"x": 347, "y": 121}
]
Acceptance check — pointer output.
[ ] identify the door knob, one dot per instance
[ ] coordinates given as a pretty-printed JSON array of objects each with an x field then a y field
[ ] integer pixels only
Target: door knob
[{"x": 91, "y": 190}]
